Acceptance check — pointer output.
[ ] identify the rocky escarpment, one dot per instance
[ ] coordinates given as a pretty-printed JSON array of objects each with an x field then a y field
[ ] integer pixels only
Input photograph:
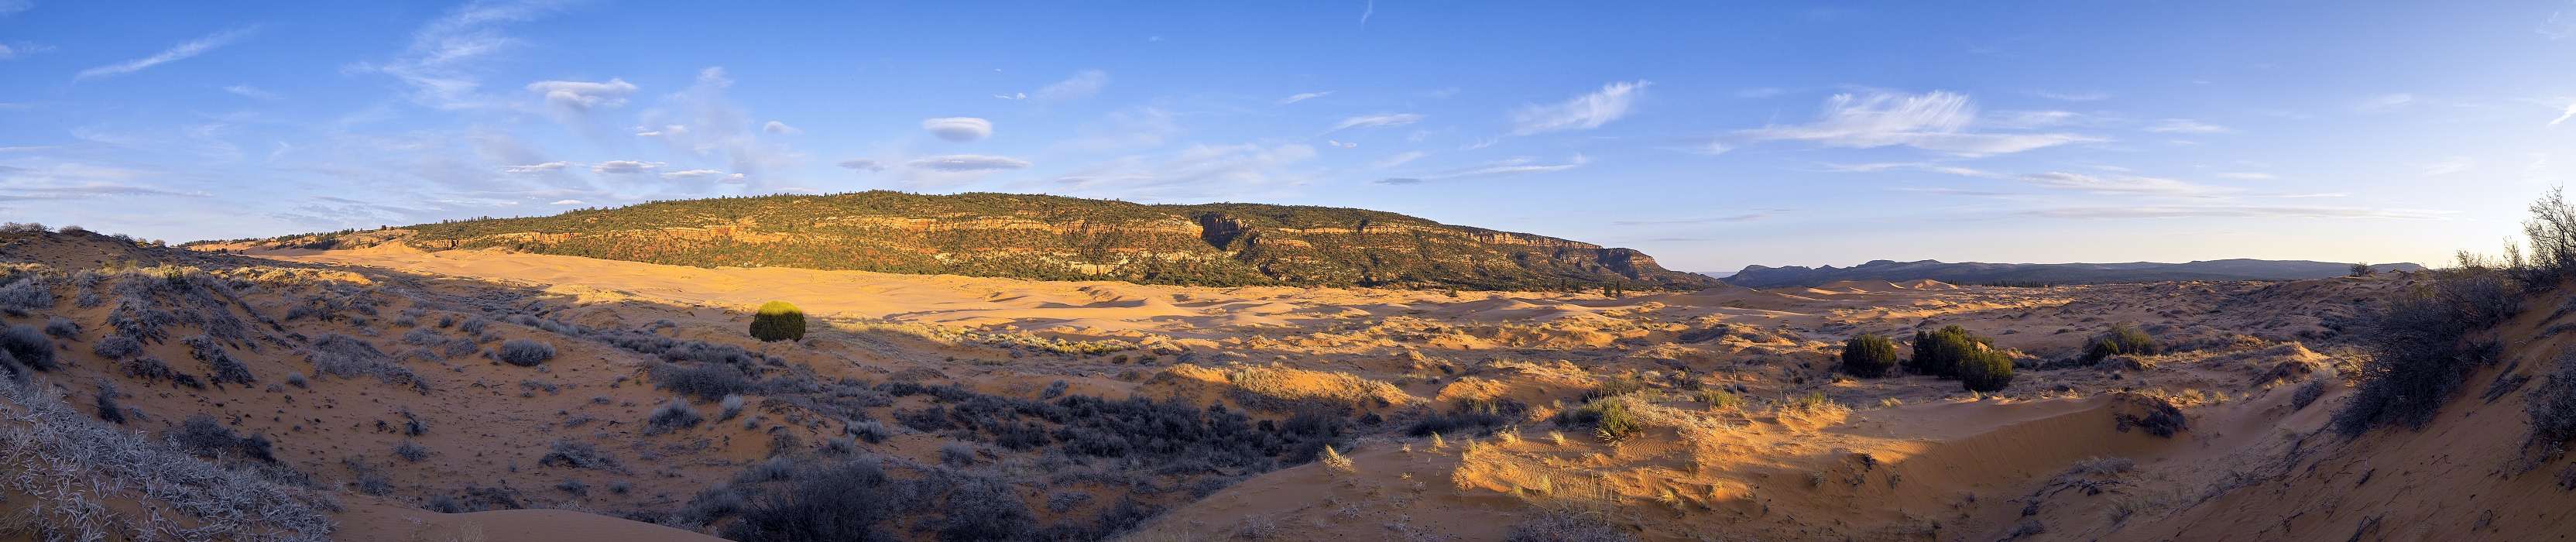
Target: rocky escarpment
[
  {"x": 1051, "y": 237},
  {"x": 1755, "y": 276}
]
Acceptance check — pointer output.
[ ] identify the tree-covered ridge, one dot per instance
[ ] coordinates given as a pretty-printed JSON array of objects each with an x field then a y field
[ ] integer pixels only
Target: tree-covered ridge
[{"x": 1063, "y": 238}]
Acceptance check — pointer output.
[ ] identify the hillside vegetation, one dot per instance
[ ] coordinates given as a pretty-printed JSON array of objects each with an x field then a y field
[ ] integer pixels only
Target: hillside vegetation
[{"x": 1051, "y": 238}]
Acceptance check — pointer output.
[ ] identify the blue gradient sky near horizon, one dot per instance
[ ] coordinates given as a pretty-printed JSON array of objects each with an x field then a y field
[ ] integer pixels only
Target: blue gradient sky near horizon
[{"x": 1709, "y": 135}]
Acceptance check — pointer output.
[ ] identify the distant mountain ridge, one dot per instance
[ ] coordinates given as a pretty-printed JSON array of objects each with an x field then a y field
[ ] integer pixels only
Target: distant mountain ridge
[
  {"x": 1047, "y": 237},
  {"x": 1756, "y": 276}
]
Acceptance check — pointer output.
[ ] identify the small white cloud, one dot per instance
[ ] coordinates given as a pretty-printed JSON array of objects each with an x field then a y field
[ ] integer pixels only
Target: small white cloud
[
  {"x": 2186, "y": 126},
  {"x": 2447, "y": 166},
  {"x": 959, "y": 129},
  {"x": 1013, "y": 96},
  {"x": 1081, "y": 85},
  {"x": 182, "y": 51},
  {"x": 667, "y": 130},
  {"x": 1398, "y": 159},
  {"x": 1340, "y": 144},
  {"x": 1378, "y": 120},
  {"x": 2086, "y": 96},
  {"x": 692, "y": 174},
  {"x": 862, "y": 164},
  {"x": 780, "y": 128},
  {"x": 2562, "y": 117},
  {"x": 1581, "y": 113},
  {"x": 967, "y": 162},
  {"x": 566, "y": 202},
  {"x": 624, "y": 167},
  {"x": 1713, "y": 148},
  {"x": 251, "y": 92},
  {"x": 736, "y": 178},
  {"x": 1518, "y": 165},
  {"x": 1936, "y": 121},
  {"x": 584, "y": 95},
  {"x": 2123, "y": 184},
  {"x": 1303, "y": 97},
  {"x": 537, "y": 168},
  {"x": 2385, "y": 102},
  {"x": 2248, "y": 176},
  {"x": 12, "y": 7}
]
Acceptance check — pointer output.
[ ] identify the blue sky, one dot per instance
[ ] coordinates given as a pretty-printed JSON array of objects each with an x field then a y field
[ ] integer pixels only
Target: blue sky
[{"x": 1709, "y": 135}]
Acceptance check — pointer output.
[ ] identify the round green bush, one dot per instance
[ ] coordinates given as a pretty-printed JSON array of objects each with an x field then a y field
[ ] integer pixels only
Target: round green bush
[
  {"x": 1939, "y": 352},
  {"x": 2122, "y": 340},
  {"x": 1986, "y": 371},
  {"x": 778, "y": 321},
  {"x": 1869, "y": 356}
]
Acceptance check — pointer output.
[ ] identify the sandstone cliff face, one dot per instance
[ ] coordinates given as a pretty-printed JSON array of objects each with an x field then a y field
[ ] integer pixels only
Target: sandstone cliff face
[{"x": 1049, "y": 237}]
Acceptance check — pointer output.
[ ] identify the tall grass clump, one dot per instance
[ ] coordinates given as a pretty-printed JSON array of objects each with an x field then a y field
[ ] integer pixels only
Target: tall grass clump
[
  {"x": 1869, "y": 355},
  {"x": 778, "y": 321}
]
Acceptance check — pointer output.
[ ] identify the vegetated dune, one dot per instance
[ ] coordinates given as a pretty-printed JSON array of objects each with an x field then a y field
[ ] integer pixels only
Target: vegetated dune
[{"x": 377, "y": 393}]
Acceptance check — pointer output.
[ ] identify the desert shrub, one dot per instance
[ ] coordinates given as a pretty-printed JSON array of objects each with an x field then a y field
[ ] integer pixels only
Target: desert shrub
[
  {"x": 1611, "y": 420},
  {"x": 220, "y": 366},
  {"x": 1614, "y": 386},
  {"x": 778, "y": 321},
  {"x": 672, "y": 416},
  {"x": 2122, "y": 340},
  {"x": 347, "y": 357},
  {"x": 956, "y": 454},
  {"x": 870, "y": 430},
  {"x": 116, "y": 347},
  {"x": 1985, "y": 371},
  {"x": 1939, "y": 352},
  {"x": 106, "y": 400},
  {"x": 202, "y": 436},
  {"x": 1468, "y": 415},
  {"x": 2552, "y": 407},
  {"x": 63, "y": 328},
  {"x": 573, "y": 487},
  {"x": 29, "y": 346},
  {"x": 25, "y": 295},
  {"x": 423, "y": 337},
  {"x": 136, "y": 317},
  {"x": 1869, "y": 355},
  {"x": 157, "y": 491},
  {"x": 2307, "y": 393},
  {"x": 710, "y": 382},
  {"x": 411, "y": 451},
  {"x": 579, "y": 455},
  {"x": 525, "y": 353},
  {"x": 2154, "y": 414},
  {"x": 474, "y": 326},
  {"x": 2421, "y": 350},
  {"x": 984, "y": 509},
  {"x": 730, "y": 407},
  {"x": 1567, "y": 526},
  {"x": 839, "y": 502}
]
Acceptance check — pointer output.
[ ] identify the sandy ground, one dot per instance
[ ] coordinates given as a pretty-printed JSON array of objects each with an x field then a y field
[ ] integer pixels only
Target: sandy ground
[{"x": 1749, "y": 433}]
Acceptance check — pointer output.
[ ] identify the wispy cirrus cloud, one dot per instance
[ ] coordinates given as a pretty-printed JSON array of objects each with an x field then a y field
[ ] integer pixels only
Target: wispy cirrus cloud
[
  {"x": 541, "y": 167},
  {"x": 1303, "y": 96},
  {"x": 442, "y": 64},
  {"x": 1083, "y": 84},
  {"x": 1585, "y": 112},
  {"x": 1378, "y": 121},
  {"x": 251, "y": 92},
  {"x": 2186, "y": 126},
  {"x": 1936, "y": 121},
  {"x": 967, "y": 162},
  {"x": 1518, "y": 165},
  {"x": 182, "y": 51},
  {"x": 2234, "y": 210},
  {"x": 624, "y": 167},
  {"x": 862, "y": 164}
]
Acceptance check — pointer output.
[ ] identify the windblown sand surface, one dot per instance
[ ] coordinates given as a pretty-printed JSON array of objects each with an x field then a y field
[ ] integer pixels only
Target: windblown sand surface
[{"x": 1748, "y": 432}]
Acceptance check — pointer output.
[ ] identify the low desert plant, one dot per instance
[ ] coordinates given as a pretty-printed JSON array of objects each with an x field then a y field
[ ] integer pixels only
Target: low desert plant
[
  {"x": 577, "y": 455},
  {"x": 2422, "y": 350},
  {"x": 524, "y": 353},
  {"x": 672, "y": 416},
  {"x": 2121, "y": 340},
  {"x": 1985, "y": 371},
  {"x": 1940, "y": 352},
  {"x": 1334, "y": 460},
  {"x": 28, "y": 346},
  {"x": 778, "y": 321},
  {"x": 728, "y": 408},
  {"x": 1869, "y": 355}
]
